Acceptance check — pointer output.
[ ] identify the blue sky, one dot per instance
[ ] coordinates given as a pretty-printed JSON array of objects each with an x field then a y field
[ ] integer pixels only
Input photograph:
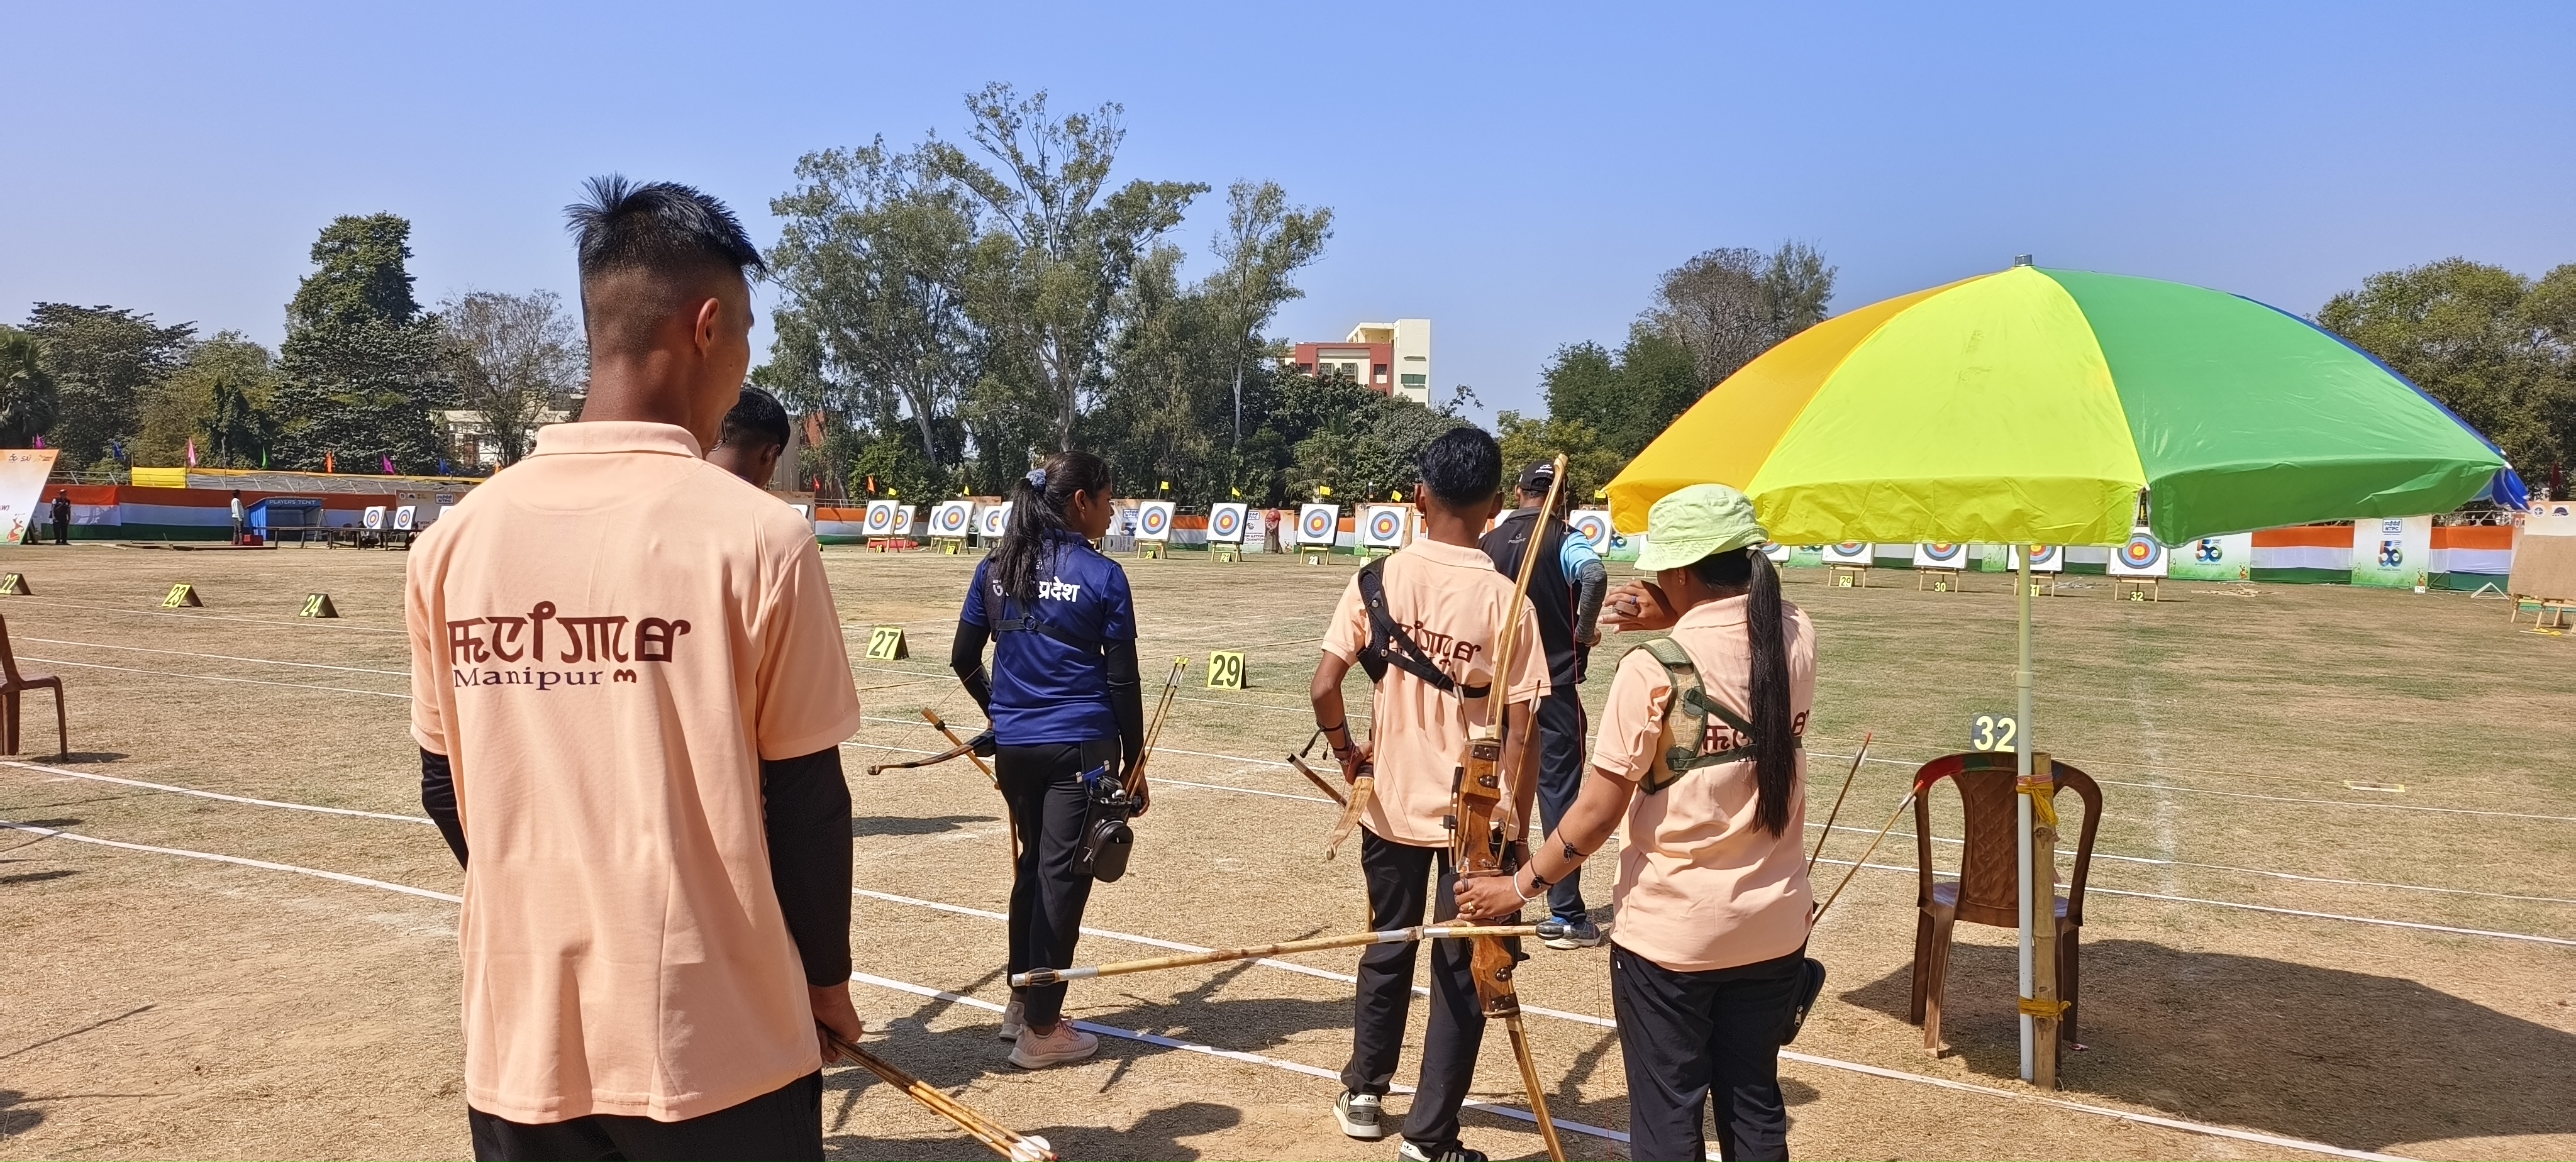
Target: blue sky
[{"x": 1518, "y": 174}]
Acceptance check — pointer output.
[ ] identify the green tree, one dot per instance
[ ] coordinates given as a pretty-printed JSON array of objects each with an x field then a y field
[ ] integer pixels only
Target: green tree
[
  {"x": 2495, "y": 347},
  {"x": 362, "y": 365},
  {"x": 1366, "y": 450},
  {"x": 1527, "y": 440},
  {"x": 1266, "y": 241},
  {"x": 873, "y": 265},
  {"x": 221, "y": 399},
  {"x": 1627, "y": 397},
  {"x": 104, "y": 361},
  {"x": 1046, "y": 281},
  {"x": 27, "y": 395}
]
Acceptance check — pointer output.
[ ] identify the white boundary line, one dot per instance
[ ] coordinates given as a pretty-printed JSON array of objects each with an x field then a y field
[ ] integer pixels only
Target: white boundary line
[
  {"x": 1309, "y": 1070},
  {"x": 214, "y": 794},
  {"x": 264, "y": 865},
  {"x": 213, "y": 678},
  {"x": 2250, "y": 795},
  {"x": 218, "y": 657},
  {"x": 2370, "y": 920}
]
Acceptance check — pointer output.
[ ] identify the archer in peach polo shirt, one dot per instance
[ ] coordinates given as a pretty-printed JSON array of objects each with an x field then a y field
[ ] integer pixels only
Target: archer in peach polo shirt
[
  {"x": 1701, "y": 885},
  {"x": 608, "y": 638},
  {"x": 1452, "y": 603}
]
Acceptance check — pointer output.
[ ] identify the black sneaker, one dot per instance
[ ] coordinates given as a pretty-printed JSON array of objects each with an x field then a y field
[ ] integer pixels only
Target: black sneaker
[
  {"x": 1563, "y": 935},
  {"x": 1453, "y": 1152},
  {"x": 1359, "y": 1115}
]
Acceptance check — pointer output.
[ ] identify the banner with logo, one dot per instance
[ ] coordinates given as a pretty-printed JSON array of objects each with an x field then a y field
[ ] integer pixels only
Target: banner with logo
[
  {"x": 2221, "y": 558},
  {"x": 22, "y": 487},
  {"x": 2392, "y": 551}
]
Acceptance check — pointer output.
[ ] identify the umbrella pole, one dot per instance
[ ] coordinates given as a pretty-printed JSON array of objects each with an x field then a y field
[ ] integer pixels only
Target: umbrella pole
[{"x": 2021, "y": 810}]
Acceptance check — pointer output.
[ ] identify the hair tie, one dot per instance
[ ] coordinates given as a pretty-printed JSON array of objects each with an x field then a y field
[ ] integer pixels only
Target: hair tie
[{"x": 1037, "y": 478}]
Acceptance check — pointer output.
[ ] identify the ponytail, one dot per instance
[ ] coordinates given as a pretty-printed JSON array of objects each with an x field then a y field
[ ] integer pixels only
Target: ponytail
[
  {"x": 1775, "y": 758},
  {"x": 1038, "y": 504}
]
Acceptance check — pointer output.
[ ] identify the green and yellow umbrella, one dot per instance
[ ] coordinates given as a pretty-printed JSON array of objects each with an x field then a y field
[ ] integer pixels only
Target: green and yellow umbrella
[{"x": 2031, "y": 405}]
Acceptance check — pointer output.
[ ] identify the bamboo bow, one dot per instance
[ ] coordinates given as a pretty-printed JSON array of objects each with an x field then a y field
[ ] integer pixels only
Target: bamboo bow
[{"x": 1471, "y": 840}]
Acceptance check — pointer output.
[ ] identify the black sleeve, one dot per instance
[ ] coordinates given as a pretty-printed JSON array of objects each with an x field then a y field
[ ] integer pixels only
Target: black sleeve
[
  {"x": 1127, "y": 700},
  {"x": 966, "y": 656},
  {"x": 438, "y": 797},
  {"x": 806, "y": 809}
]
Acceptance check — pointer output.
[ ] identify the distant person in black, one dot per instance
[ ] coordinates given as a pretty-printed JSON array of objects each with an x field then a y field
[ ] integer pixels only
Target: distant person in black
[
  {"x": 1566, "y": 598},
  {"x": 63, "y": 517},
  {"x": 752, "y": 438}
]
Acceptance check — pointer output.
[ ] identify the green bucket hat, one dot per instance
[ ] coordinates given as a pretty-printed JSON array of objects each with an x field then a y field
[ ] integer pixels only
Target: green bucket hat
[{"x": 1691, "y": 523}]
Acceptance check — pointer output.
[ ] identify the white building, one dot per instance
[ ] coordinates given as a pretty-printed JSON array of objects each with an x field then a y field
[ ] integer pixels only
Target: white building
[{"x": 1394, "y": 358}]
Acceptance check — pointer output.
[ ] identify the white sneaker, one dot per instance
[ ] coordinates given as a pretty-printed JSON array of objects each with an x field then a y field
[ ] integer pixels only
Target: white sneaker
[
  {"x": 1014, "y": 1016},
  {"x": 1064, "y": 1045}
]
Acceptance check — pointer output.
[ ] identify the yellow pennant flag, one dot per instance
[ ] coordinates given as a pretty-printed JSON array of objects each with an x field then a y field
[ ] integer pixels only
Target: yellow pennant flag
[
  {"x": 1395, "y": 494},
  {"x": 1238, "y": 493},
  {"x": 1324, "y": 490}
]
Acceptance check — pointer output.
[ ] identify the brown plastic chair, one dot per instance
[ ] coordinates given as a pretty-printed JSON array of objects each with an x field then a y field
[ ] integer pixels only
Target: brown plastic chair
[
  {"x": 13, "y": 684},
  {"x": 1988, "y": 888}
]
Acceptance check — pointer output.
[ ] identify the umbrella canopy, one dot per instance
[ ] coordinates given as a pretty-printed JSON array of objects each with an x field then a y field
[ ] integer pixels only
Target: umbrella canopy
[{"x": 2031, "y": 405}]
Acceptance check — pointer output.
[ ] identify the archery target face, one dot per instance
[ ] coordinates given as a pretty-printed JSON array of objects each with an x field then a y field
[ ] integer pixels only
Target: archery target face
[
  {"x": 374, "y": 517},
  {"x": 403, "y": 517},
  {"x": 881, "y": 518},
  {"x": 2142, "y": 556},
  {"x": 1594, "y": 524},
  {"x": 1779, "y": 554},
  {"x": 1940, "y": 555},
  {"x": 953, "y": 518},
  {"x": 1383, "y": 527},
  {"x": 1848, "y": 553},
  {"x": 2045, "y": 558},
  {"x": 1154, "y": 520},
  {"x": 1225, "y": 523},
  {"x": 994, "y": 520},
  {"x": 1316, "y": 523}
]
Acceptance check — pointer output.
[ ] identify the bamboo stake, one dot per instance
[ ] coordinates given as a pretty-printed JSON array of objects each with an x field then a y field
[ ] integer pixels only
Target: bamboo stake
[
  {"x": 1042, "y": 977},
  {"x": 996, "y": 1137}
]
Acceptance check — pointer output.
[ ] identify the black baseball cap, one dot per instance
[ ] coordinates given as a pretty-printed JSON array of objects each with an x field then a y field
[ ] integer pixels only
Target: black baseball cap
[{"x": 1537, "y": 477}]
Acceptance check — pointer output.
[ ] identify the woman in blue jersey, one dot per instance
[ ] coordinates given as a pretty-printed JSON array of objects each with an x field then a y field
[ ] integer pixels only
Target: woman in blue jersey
[{"x": 1064, "y": 698}]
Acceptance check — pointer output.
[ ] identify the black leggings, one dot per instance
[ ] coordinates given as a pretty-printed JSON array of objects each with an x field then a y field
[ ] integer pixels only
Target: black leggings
[{"x": 1043, "y": 785}]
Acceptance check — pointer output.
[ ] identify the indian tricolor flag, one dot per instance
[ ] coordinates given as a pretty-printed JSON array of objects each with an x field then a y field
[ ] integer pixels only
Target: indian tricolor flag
[
  {"x": 2303, "y": 553},
  {"x": 2486, "y": 549}
]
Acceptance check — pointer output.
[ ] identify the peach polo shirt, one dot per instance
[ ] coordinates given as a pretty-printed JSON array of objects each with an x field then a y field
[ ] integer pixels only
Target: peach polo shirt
[
  {"x": 606, "y": 638},
  {"x": 1451, "y": 601},
  {"x": 1702, "y": 886}
]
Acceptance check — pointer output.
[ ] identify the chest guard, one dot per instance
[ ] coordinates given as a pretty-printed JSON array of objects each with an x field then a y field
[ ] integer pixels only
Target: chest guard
[{"x": 1686, "y": 716}]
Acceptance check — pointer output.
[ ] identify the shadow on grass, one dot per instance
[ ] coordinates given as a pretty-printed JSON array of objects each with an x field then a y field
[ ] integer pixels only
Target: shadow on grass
[{"x": 2349, "y": 1058}]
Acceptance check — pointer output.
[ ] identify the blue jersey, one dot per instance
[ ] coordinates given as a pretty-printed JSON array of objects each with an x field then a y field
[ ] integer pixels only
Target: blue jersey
[{"x": 1047, "y": 689}]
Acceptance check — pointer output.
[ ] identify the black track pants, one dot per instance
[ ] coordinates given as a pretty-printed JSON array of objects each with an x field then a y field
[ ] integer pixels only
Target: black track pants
[
  {"x": 1561, "y": 732},
  {"x": 1697, "y": 1040},
  {"x": 1398, "y": 876},
  {"x": 1043, "y": 785},
  {"x": 785, "y": 1123}
]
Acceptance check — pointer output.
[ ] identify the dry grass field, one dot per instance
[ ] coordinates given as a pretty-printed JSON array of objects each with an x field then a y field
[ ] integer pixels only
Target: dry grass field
[{"x": 2277, "y": 964}]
